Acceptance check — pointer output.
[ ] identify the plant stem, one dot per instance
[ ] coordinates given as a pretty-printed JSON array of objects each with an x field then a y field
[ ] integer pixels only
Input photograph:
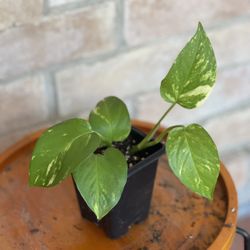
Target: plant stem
[
  {"x": 157, "y": 140},
  {"x": 152, "y": 132},
  {"x": 161, "y": 136}
]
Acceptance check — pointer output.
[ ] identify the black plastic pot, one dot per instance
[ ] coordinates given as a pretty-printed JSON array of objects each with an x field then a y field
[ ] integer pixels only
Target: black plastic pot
[{"x": 134, "y": 204}]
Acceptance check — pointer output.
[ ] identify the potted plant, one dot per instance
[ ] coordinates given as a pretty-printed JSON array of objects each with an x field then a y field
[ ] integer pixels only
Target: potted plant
[{"x": 114, "y": 165}]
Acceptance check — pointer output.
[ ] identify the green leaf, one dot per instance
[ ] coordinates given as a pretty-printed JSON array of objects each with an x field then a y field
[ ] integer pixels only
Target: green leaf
[
  {"x": 192, "y": 76},
  {"x": 60, "y": 150},
  {"x": 194, "y": 159},
  {"x": 101, "y": 180},
  {"x": 110, "y": 119}
]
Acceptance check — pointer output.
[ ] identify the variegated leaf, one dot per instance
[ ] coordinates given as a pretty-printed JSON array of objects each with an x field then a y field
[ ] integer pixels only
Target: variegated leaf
[
  {"x": 60, "y": 150},
  {"x": 192, "y": 76},
  {"x": 194, "y": 159},
  {"x": 110, "y": 119},
  {"x": 101, "y": 180}
]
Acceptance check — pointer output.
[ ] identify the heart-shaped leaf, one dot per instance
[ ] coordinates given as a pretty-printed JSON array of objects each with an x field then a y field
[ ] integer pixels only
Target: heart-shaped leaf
[
  {"x": 193, "y": 74},
  {"x": 110, "y": 119},
  {"x": 60, "y": 150},
  {"x": 101, "y": 180},
  {"x": 194, "y": 159}
]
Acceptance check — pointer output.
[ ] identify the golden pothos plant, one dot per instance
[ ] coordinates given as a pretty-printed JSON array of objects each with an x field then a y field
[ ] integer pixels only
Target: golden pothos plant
[{"x": 70, "y": 147}]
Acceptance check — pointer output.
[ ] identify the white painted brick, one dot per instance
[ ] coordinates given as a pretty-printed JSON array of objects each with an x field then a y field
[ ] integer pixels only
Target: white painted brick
[
  {"x": 58, "y": 39},
  {"x": 16, "y": 12},
  {"x": 23, "y": 103},
  {"x": 152, "y": 19},
  {"x": 82, "y": 86},
  {"x": 231, "y": 43},
  {"x": 230, "y": 130}
]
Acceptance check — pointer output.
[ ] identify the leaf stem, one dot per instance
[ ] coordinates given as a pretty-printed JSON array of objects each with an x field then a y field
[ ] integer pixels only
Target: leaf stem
[
  {"x": 152, "y": 132},
  {"x": 158, "y": 139},
  {"x": 161, "y": 136}
]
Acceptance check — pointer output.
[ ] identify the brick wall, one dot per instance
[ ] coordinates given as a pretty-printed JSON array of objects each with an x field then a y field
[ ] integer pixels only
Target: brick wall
[{"x": 59, "y": 57}]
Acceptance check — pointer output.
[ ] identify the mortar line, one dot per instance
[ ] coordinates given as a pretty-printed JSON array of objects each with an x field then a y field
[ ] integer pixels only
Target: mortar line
[
  {"x": 77, "y": 4},
  {"x": 52, "y": 98},
  {"x": 45, "y": 7},
  {"x": 120, "y": 23}
]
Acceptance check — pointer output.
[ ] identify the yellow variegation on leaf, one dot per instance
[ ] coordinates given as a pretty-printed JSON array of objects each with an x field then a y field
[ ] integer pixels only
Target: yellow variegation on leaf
[{"x": 193, "y": 74}]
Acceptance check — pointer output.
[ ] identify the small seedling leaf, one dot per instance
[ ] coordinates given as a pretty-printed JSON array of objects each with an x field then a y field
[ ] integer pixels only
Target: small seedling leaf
[{"x": 110, "y": 119}]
